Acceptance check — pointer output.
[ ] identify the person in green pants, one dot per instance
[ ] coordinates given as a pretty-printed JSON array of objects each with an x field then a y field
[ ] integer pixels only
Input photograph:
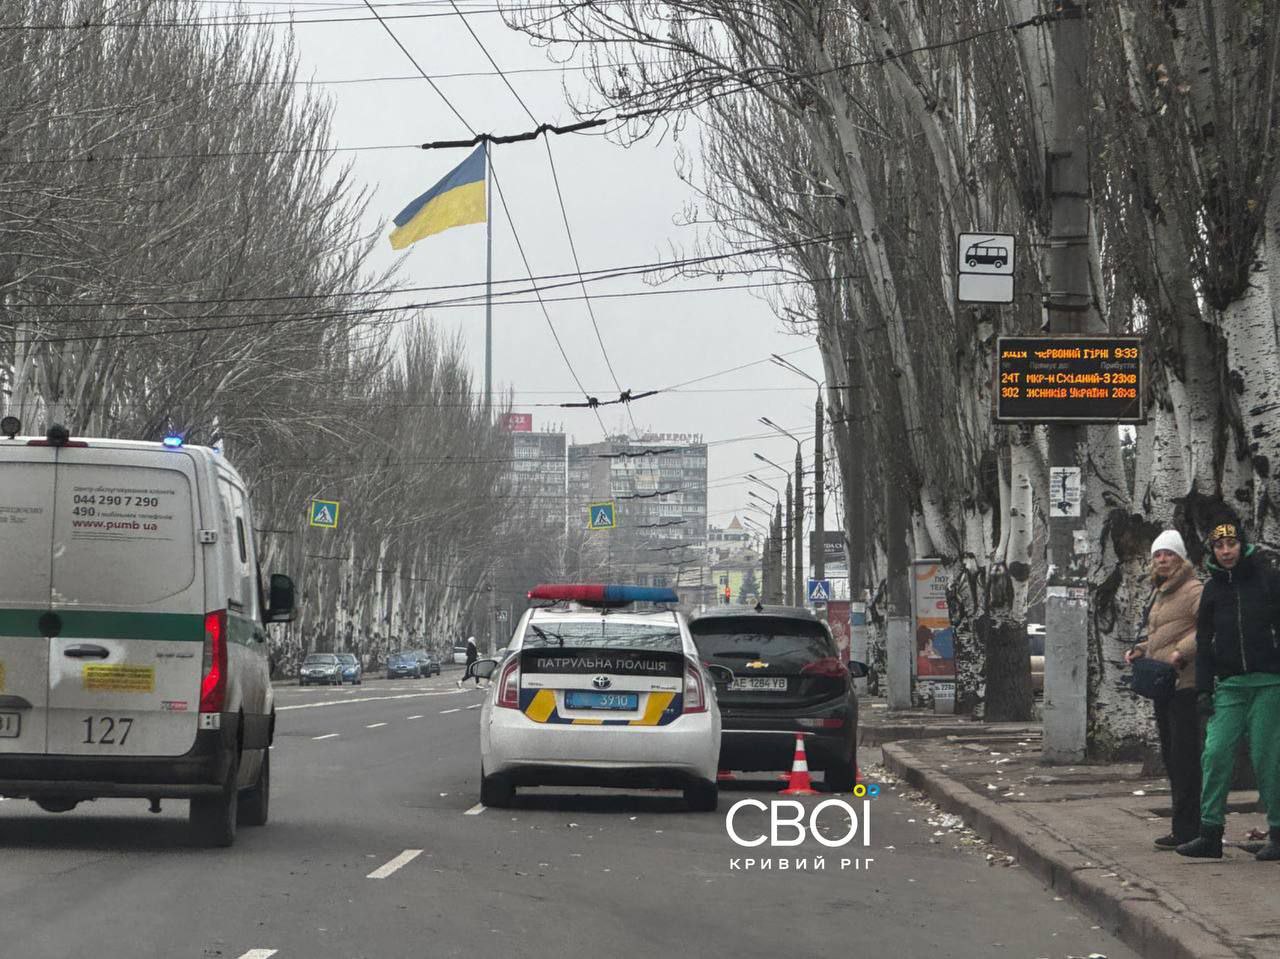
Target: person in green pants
[{"x": 1237, "y": 685}]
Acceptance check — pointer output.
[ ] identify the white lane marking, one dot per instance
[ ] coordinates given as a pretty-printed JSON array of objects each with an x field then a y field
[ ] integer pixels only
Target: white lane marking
[
  {"x": 475, "y": 705},
  {"x": 413, "y": 717},
  {"x": 446, "y": 712},
  {"x": 375, "y": 725},
  {"x": 406, "y": 857},
  {"x": 259, "y": 954},
  {"x": 325, "y": 736},
  {"x": 475, "y": 810},
  {"x": 366, "y": 699}
]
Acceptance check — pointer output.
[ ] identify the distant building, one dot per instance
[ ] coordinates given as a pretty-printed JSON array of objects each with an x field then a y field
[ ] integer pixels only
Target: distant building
[
  {"x": 734, "y": 562},
  {"x": 538, "y": 466}
]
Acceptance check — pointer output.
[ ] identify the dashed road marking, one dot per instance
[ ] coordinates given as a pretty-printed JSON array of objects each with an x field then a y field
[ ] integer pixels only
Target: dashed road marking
[
  {"x": 475, "y": 705},
  {"x": 366, "y": 699},
  {"x": 475, "y": 810},
  {"x": 325, "y": 736},
  {"x": 375, "y": 725},
  {"x": 446, "y": 712},
  {"x": 406, "y": 857},
  {"x": 413, "y": 717},
  {"x": 259, "y": 954}
]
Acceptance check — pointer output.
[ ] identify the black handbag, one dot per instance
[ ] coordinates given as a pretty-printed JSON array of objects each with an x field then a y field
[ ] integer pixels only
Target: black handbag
[
  {"x": 1150, "y": 678},
  {"x": 1153, "y": 679}
]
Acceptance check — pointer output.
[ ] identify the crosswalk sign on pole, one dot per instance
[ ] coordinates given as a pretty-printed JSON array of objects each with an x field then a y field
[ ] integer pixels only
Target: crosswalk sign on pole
[
  {"x": 602, "y": 515},
  {"x": 324, "y": 513},
  {"x": 819, "y": 591}
]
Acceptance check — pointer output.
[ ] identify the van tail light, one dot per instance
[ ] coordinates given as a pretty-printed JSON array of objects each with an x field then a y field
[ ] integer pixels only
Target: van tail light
[
  {"x": 509, "y": 685},
  {"x": 828, "y": 667},
  {"x": 695, "y": 694},
  {"x": 213, "y": 688}
]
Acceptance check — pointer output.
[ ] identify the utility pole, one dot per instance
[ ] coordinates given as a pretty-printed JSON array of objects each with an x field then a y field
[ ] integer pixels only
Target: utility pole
[
  {"x": 778, "y": 577},
  {"x": 798, "y": 597},
  {"x": 819, "y": 558},
  {"x": 788, "y": 590},
  {"x": 1069, "y": 302}
]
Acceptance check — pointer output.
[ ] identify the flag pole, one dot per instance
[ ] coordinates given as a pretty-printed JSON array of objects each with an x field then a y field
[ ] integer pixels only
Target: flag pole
[{"x": 488, "y": 281}]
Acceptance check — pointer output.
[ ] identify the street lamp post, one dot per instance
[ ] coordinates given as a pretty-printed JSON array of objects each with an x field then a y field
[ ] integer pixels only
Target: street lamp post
[
  {"x": 797, "y": 521},
  {"x": 818, "y": 558},
  {"x": 784, "y": 536}
]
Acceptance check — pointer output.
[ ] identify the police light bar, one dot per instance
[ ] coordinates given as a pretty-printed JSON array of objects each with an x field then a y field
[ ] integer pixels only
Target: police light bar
[{"x": 593, "y": 594}]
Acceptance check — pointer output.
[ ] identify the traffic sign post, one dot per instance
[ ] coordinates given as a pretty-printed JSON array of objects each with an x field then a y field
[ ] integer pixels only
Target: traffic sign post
[
  {"x": 819, "y": 591},
  {"x": 984, "y": 268},
  {"x": 324, "y": 513},
  {"x": 602, "y": 515}
]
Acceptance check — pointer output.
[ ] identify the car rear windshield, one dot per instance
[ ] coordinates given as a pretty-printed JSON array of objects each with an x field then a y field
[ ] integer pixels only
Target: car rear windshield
[
  {"x": 347, "y": 659},
  {"x": 603, "y": 633},
  {"x": 779, "y": 642},
  {"x": 320, "y": 660}
]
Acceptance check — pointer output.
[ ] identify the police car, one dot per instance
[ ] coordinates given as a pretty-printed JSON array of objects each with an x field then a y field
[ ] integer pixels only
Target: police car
[{"x": 593, "y": 694}]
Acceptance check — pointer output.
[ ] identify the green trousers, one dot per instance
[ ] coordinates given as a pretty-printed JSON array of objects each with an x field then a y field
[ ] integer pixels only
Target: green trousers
[{"x": 1242, "y": 703}]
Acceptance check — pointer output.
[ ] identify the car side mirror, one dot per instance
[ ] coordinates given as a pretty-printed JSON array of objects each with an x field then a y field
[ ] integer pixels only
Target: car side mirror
[
  {"x": 280, "y": 607},
  {"x": 858, "y": 670},
  {"x": 721, "y": 675}
]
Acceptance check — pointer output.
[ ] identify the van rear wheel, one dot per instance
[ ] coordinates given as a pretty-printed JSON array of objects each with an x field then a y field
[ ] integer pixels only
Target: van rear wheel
[
  {"x": 213, "y": 818},
  {"x": 255, "y": 803}
]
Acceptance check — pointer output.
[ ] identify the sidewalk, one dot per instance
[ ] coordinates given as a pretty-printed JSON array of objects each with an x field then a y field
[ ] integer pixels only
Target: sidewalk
[{"x": 1086, "y": 832}]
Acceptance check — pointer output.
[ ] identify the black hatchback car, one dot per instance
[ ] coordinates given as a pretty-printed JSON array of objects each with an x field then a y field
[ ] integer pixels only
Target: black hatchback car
[{"x": 778, "y": 672}]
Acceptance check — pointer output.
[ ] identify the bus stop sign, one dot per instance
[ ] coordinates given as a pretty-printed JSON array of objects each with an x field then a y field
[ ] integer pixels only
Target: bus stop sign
[{"x": 985, "y": 268}]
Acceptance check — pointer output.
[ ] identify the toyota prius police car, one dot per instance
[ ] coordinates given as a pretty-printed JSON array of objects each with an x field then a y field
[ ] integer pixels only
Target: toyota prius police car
[{"x": 591, "y": 694}]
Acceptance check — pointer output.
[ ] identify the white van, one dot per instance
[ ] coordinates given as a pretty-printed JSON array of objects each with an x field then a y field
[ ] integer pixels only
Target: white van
[{"x": 133, "y": 653}]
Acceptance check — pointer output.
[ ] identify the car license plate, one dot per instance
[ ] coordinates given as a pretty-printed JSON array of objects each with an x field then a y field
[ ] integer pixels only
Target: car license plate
[
  {"x": 10, "y": 725},
  {"x": 589, "y": 699},
  {"x": 768, "y": 684}
]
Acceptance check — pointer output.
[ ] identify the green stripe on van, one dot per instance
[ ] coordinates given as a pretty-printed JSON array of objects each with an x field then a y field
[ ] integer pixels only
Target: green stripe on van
[{"x": 100, "y": 624}]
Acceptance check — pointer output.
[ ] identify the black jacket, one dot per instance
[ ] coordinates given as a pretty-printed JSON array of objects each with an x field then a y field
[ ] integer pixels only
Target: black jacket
[{"x": 1236, "y": 628}]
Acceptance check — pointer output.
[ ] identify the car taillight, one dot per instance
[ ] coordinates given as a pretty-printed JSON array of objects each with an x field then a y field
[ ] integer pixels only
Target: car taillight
[
  {"x": 509, "y": 686},
  {"x": 695, "y": 696},
  {"x": 213, "y": 688},
  {"x": 829, "y": 667},
  {"x": 826, "y": 722}
]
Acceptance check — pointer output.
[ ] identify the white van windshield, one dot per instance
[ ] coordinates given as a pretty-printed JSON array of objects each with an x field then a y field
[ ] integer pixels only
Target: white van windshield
[{"x": 123, "y": 535}]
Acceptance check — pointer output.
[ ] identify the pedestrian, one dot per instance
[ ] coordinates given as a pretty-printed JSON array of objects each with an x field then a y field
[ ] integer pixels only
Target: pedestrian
[
  {"x": 1170, "y": 624},
  {"x": 472, "y": 655},
  {"x": 1237, "y": 684}
]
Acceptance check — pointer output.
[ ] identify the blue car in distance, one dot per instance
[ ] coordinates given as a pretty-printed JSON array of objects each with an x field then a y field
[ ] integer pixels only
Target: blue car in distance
[
  {"x": 352, "y": 671},
  {"x": 403, "y": 666}
]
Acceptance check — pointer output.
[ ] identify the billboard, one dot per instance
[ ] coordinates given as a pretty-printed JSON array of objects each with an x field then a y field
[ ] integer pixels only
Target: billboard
[
  {"x": 1069, "y": 379},
  {"x": 832, "y": 547},
  {"x": 934, "y": 637},
  {"x": 516, "y": 422}
]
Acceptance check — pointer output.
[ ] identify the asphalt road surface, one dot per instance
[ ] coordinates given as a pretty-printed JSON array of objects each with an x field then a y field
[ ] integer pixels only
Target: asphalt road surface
[{"x": 377, "y": 849}]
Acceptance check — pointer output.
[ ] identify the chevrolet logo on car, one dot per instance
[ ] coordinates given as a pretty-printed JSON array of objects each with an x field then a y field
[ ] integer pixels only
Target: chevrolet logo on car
[{"x": 758, "y": 664}]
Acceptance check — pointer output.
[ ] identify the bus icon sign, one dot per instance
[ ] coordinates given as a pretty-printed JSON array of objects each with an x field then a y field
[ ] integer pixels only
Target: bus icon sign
[{"x": 985, "y": 268}]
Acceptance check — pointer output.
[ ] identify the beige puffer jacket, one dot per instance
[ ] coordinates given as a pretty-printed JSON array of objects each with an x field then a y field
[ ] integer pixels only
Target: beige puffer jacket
[{"x": 1171, "y": 624}]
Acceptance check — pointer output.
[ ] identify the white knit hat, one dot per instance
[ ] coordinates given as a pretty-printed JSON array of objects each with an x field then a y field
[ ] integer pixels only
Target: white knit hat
[{"x": 1171, "y": 540}]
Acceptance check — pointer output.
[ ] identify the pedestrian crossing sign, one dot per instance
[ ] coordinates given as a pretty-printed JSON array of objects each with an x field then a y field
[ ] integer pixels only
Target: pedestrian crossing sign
[
  {"x": 819, "y": 591},
  {"x": 602, "y": 515},
  {"x": 324, "y": 513}
]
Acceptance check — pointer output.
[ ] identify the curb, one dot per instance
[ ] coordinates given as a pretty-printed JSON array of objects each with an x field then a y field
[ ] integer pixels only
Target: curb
[
  {"x": 880, "y": 734},
  {"x": 1123, "y": 902}
]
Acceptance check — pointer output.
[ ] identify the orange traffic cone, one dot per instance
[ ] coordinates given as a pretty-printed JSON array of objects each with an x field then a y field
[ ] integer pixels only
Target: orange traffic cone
[
  {"x": 800, "y": 783},
  {"x": 858, "y": 777}
]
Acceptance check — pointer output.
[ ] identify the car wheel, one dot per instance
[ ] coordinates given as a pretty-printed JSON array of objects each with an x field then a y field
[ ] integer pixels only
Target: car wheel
[
  {"x": 702, "y": 797},
  {"x": 496, "y": 791},
  {"x": 842, "y": 777},
  {"x": 255, "y": 803},
  {"x": 213, "y": 818}
]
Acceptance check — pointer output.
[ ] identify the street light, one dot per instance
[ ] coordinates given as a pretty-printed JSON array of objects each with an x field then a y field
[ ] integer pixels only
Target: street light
[
  {"x": 819, "y": 557},
  {"x": 788, "y": 538},
  {"x": 769, "y": 503},
  {"x": 797, "y": 518},
  {"x": 756, "y": 479}
]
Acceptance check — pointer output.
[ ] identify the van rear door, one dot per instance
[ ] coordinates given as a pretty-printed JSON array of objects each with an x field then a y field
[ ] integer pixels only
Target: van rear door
[
  {"x": 128, "y": 590},
  {"x": 26, "y": 542}
]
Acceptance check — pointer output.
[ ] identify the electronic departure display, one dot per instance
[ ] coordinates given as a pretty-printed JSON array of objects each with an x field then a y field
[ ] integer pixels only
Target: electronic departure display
[{"x": 1069, "y": 379}]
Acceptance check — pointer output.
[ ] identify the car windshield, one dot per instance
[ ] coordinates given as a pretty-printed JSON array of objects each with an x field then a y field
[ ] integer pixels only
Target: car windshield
[
  {"x": 320, "y": 659},
  {"x": 400, "y": 658},
  {"x": 347, "y": 659},
  {"x": 603, "y": 633},
  {"x": 781, "y": 643}
]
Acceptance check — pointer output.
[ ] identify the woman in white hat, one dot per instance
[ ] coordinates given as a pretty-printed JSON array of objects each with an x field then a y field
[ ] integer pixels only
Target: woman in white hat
[{"x": 1171, "y": 638}]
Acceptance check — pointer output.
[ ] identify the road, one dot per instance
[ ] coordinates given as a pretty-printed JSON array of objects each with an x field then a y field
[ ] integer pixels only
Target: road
[{"x": 377, "y": 849}]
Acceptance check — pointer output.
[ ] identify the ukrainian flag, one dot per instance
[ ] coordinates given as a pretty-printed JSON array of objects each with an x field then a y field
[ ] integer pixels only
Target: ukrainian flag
[{"x": 456, "y": 200}]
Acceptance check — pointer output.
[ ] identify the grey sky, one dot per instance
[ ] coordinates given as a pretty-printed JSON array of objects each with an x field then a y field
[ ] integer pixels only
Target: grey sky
[{"x": 621, "y": 204}]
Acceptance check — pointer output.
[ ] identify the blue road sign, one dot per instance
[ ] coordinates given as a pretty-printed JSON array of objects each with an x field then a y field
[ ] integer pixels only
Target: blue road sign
[
  {"x": 819, "y": 591},
  {"x": 602, "y": 516},
  {"x": 324, "y": 513}
]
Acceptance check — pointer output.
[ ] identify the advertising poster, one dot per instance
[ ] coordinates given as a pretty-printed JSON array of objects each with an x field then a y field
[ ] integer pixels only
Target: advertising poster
[
  {"x": 935, "y": 640},
  {"x": 838, "y": 620}
]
